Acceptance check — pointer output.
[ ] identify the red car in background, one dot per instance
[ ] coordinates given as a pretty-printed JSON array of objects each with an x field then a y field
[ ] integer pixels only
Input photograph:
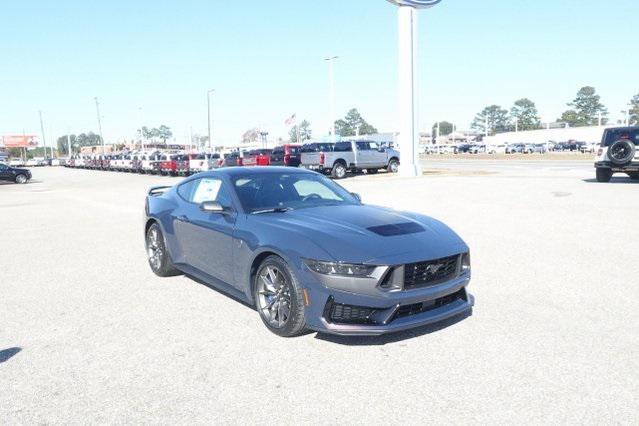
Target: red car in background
[
  {"x": 168, "y": 164},
  {"x": 286, "y": 155},
  {"x": 257, "y": 157}
]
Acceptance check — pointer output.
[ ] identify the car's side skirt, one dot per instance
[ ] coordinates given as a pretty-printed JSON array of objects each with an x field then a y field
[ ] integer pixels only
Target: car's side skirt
[{"x": 214, "y": 282}]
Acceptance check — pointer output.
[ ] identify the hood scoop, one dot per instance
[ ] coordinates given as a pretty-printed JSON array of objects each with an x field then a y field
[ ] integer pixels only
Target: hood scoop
[{"x": 397, "y": 229}]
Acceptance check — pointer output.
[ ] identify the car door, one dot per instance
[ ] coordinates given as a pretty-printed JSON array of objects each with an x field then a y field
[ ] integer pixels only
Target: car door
[
  {"x": 378, "y": 157},
  {"x": 4, "y": 172},
  {"x": 206, "y": 238},
  {"x": 363, "y": 152}
]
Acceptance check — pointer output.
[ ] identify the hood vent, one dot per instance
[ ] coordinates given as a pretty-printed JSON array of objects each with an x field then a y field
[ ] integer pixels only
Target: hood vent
[{"x": 397, "y": 229}]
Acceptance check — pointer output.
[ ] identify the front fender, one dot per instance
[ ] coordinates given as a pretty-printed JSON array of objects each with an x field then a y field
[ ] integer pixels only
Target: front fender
[{"x": 251, "y": 244}]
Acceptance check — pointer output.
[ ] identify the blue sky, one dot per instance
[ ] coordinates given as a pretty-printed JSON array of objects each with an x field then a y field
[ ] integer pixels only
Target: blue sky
[{"x": 151, "y": 62}]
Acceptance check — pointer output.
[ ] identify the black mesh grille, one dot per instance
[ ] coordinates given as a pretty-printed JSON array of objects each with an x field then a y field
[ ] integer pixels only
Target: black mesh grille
[
  {"x": 418, "y": 308},
  {"x": 349, "y": 314},
  {"x": 428, "y": 273}
]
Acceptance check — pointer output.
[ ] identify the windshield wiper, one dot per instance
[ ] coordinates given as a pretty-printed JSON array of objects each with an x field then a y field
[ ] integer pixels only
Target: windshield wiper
[{"x": 273, "y": 210}]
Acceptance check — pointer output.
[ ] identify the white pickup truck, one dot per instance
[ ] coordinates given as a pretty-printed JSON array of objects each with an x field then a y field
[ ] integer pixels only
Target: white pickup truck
[{"x": 340, "y": 158}]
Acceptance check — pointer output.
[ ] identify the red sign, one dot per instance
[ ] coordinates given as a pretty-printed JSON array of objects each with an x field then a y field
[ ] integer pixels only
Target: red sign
[{"x": 19, "y": 141}]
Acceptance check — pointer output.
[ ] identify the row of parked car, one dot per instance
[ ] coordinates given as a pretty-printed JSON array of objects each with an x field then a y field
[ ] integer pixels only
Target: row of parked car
[
  {"x": 513, "y": 148},
  {"x": 336, "y": 159}
]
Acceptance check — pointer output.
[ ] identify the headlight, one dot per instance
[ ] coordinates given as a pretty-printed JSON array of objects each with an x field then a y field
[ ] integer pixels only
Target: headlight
[
  {"x": 342, "y": 269},
  {"x": 465, "y": 266}
]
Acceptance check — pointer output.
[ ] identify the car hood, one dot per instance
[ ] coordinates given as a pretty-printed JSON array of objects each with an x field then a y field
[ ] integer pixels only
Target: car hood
[{"x": 369, "y": 234}]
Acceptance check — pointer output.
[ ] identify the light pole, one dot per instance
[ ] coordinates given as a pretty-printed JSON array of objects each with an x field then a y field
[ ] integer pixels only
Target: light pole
[
  {"x": 208, "y": 108},
  {"x": 331, "y": 93},
  {"x": 516, "y": 124},
  {"x": 44, "y": 139},
  {"x": 407, "y": 69},
  {"x": 97, "y": 110},
  {"x": 141, "y": 133}
]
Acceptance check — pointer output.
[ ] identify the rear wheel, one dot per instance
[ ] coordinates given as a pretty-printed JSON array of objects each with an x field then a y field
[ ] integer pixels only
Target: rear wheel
[
  {"x": 393, "y": 166},
  {"x": 21, "y": 179},
  {"x": 604, "y": 175},
  {"x": 159, "y": 259},
  {"x": 278, "y": 298},
  {"x": 339, "y": 170}
]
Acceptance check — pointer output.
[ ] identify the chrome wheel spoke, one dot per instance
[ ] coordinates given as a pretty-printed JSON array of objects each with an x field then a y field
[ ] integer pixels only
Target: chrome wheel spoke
[{"x": 273, "y": 296}]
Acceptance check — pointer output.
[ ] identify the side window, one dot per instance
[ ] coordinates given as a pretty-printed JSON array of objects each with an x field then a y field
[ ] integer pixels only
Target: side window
[
  {"x": 209, "y": 189},
  {"x": 186, "y": 190},
  {"x": 373, "y": 146},
  {"x": 362, "y": 146}
]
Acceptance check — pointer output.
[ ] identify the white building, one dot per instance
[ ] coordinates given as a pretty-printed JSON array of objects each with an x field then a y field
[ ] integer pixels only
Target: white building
[{"x": 583, "y": 134}]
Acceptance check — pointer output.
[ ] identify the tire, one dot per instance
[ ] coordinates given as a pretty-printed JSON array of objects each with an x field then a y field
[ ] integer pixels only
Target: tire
[
  {"x": 339, "y": 170},
  {"x": 621, "y": 152},
  {"x": 285, "y": 292},
  {"x": 634, "y": 175},
  {"x": 157, "y": 255},
  {"x": 21, "y": 179},
  {"x": 604, "y": 175},
  {"x": 393, "y": 166},
  {"x": 372, "y": 171}
]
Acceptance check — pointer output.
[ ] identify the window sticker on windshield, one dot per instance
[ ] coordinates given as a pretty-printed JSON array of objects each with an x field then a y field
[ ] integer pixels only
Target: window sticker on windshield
[{"x": 207, "y": 190}]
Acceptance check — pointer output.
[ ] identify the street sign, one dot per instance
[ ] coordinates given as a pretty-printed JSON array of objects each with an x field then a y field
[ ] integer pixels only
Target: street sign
[{"x": 419, "y": 4}]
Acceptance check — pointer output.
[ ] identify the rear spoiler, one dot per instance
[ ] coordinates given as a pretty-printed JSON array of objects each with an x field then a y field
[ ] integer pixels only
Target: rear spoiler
[{"x": 158, "y": 190}]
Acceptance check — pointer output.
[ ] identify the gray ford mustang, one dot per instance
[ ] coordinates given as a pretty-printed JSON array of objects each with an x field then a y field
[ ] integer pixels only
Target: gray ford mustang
[{"x": 306, "y": 252}]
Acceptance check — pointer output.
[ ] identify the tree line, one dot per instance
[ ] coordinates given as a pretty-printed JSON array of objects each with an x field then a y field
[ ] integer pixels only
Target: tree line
[{"x": 586, "y": 109}]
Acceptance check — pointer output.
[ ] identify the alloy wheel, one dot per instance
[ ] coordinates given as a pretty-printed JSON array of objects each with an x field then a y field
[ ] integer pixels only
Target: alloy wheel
[
  {"x": 274, "y": 296},
  {"x": 21, "y": 179},
  {"x": 154, "y": 249}
]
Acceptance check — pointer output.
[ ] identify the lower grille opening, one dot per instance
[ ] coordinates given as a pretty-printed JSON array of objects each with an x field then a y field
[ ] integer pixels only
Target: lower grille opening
[
  {"x": 339, "y": 313},
  {"x": 418, "y": 308}
]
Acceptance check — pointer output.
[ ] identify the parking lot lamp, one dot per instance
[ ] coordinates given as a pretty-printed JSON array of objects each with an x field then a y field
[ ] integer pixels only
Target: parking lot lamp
[
  {"x": 44, "y": 139},
  {"x": 208, "y": 108},
  {"x": 97, "y": 110},
  {"x": 331, "y": 94}
]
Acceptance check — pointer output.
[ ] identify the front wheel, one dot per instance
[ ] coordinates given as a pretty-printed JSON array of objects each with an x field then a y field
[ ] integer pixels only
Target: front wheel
[
  {"x": 393, "y": 166},
  {"x": 21, "y": 179},
  {"x": 278, "y": 298},
  {"x": 159, "y": 259},
  {"x": 604, "y": 175}
]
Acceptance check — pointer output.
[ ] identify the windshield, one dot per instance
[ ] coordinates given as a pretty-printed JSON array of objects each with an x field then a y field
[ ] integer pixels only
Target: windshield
[{"x": 264, "y": 191}]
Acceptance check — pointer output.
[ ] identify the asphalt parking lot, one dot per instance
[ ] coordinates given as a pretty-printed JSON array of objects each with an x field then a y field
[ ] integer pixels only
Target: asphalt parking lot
[{"x": 89, "y": 335}]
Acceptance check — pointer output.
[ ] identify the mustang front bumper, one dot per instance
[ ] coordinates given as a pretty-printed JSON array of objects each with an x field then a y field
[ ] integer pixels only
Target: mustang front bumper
[{"x": 343, "y": 313}]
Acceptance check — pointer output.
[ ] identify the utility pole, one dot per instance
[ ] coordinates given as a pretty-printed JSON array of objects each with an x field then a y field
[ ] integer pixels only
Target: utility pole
[
  {"x": 97, "y": 110},
  {"x": 69, "y": 142},
  {"x": 208, "y": 108},
  {"x": 486, "y": 126},
  {"x": 331, "y": 93},
  {"x": 44, "y": 139},
  {"x": 516, "y": 124},
  {"x": 141, "y": 126}
]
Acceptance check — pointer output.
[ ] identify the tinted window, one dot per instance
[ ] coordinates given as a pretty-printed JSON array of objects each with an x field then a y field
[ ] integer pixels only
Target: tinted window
[
  {"x": 362, "y": 146},
  {"x": 278, "y": 151},
  {"x": 297, "y": 190},
  {"x": 343, "y": 147},
  {"x": 613, "y": 135},
  {"x": 293, "y": 149}
]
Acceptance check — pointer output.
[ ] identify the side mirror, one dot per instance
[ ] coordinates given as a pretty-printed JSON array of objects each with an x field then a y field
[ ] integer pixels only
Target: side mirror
[
  {"x": 212, "y": 207},
  {"x": 357, "y": 196}
]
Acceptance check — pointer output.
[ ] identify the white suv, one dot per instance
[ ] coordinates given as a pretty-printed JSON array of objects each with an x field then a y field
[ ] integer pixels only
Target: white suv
[{"x": 618, "y": 153}]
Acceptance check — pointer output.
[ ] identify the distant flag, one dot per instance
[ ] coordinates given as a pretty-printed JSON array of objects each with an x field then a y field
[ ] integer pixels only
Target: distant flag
[{"x": 290, "y": 120}]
